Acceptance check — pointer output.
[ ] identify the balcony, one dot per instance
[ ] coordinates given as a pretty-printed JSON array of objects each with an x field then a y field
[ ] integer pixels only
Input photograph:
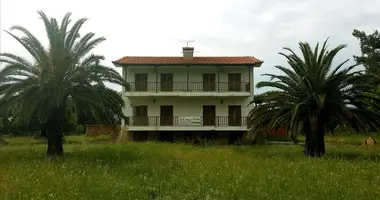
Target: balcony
[
  {"x": 188, "y": 89},
  {"x": 163, "y": 123}
]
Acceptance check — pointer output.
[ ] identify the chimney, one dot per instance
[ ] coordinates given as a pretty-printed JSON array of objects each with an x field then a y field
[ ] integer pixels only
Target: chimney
[{"x": 188, "y": 52}]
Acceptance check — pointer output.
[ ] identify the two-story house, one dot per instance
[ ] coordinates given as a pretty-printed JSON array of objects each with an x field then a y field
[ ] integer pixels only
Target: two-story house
[{"x": 178, "y": 98}]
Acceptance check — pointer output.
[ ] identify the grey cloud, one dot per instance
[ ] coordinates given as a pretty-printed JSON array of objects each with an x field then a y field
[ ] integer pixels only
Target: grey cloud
[
  {"x": 221, "y": 28},
  {"x": 269, "y": 25}
]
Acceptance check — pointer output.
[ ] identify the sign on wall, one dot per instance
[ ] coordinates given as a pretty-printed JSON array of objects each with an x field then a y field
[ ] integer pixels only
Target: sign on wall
[{"x": 189, "y": 121}]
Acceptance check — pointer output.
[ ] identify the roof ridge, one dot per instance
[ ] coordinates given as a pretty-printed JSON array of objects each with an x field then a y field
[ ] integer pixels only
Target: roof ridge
[
  {"x": 193, "y": 57},
  {"x": 178, "y": 60}
]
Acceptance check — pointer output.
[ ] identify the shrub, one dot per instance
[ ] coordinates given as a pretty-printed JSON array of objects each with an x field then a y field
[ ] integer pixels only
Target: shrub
[{"x": 80, "y": 130}]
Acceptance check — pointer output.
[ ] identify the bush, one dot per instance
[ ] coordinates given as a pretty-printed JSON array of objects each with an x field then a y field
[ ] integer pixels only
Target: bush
[{"x": 80, "y": 130}]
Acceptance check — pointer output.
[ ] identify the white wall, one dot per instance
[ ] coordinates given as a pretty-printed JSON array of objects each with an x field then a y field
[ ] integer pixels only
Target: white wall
[
  {"x": 195, "y": 73},
  {"x": 188, "y": 106}
]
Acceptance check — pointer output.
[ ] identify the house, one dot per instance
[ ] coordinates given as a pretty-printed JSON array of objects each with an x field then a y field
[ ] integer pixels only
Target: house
[{"x": 182, "y": 98}]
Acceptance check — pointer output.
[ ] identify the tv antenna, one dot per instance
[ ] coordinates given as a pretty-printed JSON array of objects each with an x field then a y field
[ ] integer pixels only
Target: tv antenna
[{"x": 187, "y": 42}]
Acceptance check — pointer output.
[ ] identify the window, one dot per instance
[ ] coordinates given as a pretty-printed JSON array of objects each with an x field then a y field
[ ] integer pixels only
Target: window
[
  {"x": 166, "y": 115},
  {"x": 166, "y": 82},
  {"x": 140, "y": 116},
  {"x": 234, "y": 115},
  {"x": 141, "y": 82},
  {"x": 209, "y": 82},
  {"x": 234, "y": 82},
  {"x": 209, "y": 115}
]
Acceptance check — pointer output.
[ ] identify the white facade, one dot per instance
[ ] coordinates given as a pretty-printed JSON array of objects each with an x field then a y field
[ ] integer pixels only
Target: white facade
[{"x": 187, "y": 97}]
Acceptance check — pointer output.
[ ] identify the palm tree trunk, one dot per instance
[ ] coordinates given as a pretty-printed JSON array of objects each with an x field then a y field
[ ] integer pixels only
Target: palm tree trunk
[
  {"x": 43, "y": 131},
  {"x": 314, "y": 141},
  {"x": 54, "y": 131},
  {"x": 55, "y": 140},
  {"x": 314, "y": 144},
  {"x": 309, "y": 146},
  {"x": 321, "y": 150},
  {"x": 55, "y": 145}
]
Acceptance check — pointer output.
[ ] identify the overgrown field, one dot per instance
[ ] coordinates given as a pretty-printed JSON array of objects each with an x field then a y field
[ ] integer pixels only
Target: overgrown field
[{"x": 177, "y": 171}]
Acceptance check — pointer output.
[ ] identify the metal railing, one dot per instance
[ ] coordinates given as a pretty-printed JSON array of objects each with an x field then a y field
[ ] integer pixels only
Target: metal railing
[
  {"x": 188, "y": 87},
  {"x": 186, "y": 121}
]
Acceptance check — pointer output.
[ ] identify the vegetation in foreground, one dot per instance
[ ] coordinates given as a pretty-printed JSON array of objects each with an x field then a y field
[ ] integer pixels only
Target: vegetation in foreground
[
  {"x": 177, "y": 171},
  {"x": 64, "y": 80},
  {"x": 313, "y": 96}
]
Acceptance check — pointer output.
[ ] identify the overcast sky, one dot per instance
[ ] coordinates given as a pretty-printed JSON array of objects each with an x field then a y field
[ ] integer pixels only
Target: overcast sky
[{"x": 257, "y": 28}]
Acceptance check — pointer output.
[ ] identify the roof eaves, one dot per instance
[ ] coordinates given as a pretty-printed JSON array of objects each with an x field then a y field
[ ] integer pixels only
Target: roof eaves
[{"x": 176, "y": 64}]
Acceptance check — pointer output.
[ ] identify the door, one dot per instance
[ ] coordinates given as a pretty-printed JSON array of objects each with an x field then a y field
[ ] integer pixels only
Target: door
[
  {"x": 140, "y": 116},
  {"x": 166, "y": 82},
  {"x": 141, "y": 82},
  {"x": 234, "y": 82},
  {"x": 209, "y": 82},
  {"x": 234, "y": 115},
  {"x": 209, "y": 115},
  {"x": 166, "y": 116}
]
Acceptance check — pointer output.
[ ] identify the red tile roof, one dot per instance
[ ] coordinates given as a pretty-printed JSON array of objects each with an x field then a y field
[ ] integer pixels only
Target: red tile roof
[{"x": 143, "y": 60}]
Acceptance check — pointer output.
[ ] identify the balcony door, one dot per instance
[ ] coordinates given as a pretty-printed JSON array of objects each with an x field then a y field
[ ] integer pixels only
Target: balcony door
[
  {"x": 166, "y": 82},
  {"x": 140, "y": 116},
  {"x": 209, "y": 82},
  {"x": 234, "y": 115},
  {"x": 234, "y": 82},
  {"x": 166, "y": 115},
  {"x": 209, "y": 115},
  {"x": 141, "y": 82}
]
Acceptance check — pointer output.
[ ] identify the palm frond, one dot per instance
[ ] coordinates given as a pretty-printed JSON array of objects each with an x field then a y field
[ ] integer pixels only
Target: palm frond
[
  {"x": 65, "y": 71},
  {"x": 310, "y": 96}
]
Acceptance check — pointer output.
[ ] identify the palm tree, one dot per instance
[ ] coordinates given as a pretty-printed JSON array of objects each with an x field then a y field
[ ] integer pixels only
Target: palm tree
[
  {"x": 313, "y": 97},
  {"x": 64, "y": 70}
]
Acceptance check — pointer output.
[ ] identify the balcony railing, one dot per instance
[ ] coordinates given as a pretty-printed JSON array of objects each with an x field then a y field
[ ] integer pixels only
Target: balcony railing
[
  {"x": 188, "y": 87},
  {"x": 186, "y": 121}
]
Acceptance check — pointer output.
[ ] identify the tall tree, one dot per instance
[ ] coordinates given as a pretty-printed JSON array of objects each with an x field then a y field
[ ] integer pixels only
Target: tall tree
[
  {"x": 64, "y": 70},
  {"x": 370, "y": 48},
  {"x": 312, "y": 96},
  {"x": 370, "y": 52}
]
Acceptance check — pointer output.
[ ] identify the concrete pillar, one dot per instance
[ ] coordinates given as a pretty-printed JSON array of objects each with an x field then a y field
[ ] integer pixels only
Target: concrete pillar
[
  {"x": 125, "y": 136},
  {"x": 130, "y": 136},
  {"x": 127, "y": 110}
]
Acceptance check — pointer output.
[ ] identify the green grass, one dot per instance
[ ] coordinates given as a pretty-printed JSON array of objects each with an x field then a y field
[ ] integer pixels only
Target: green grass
[
  {"x": 346, "y": 139},
  {"x": 17, "y": 141},
  {"x": 84, "y": 139},
  {"x": 177, "y": 171}
]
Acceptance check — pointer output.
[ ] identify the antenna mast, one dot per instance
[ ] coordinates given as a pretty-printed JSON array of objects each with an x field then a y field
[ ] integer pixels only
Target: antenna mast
[{"x": 187, "y": 42}]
